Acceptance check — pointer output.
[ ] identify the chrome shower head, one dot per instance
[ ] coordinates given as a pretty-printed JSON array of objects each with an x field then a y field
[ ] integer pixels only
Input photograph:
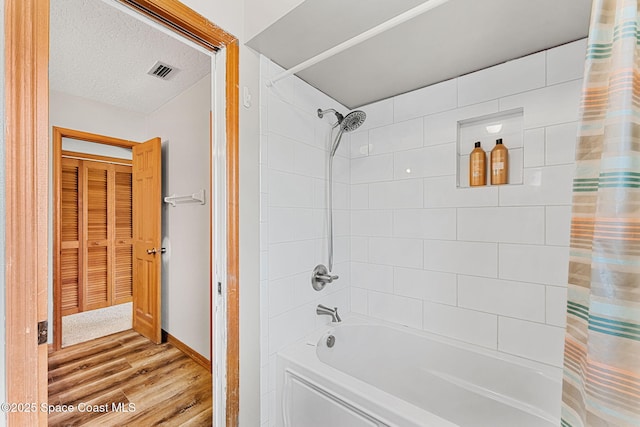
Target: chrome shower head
[
  {"x": 347, "y": 124},
  {"x": 353, "y": 121}
]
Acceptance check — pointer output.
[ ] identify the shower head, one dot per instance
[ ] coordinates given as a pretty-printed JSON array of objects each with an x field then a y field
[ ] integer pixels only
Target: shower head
[
  {"x": 347, "y": 124},
  {"x": 353, "y": 121}
]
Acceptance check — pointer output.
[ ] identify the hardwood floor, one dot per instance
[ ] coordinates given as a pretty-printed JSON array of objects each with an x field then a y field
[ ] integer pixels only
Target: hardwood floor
[{"x": 124, "y": 379}]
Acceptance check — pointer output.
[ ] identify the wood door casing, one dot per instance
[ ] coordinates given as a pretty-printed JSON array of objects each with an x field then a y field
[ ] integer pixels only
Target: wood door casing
[
  {"x": 26, "y": 135},
  {"x": 147, "y": 227}
]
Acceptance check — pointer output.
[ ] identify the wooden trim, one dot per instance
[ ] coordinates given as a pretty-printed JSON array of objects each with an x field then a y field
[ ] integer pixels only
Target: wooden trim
[
  {"x": 57, "y": 236},
  {"x": 57, "y": 134},
  {"x": 96, "y": 158},
  {"x": 27, "y": 175},
  {"x": 233, "y": 242},
  {"x": 92, "y": 137},
  {"x": 197, "y": 357},
  {"x": 180, "y": 18}
]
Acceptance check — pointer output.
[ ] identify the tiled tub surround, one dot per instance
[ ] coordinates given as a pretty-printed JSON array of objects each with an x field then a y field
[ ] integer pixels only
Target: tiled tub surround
[
  {"x": 293, "y": 219},
  {"x": 487, "y": 266}
]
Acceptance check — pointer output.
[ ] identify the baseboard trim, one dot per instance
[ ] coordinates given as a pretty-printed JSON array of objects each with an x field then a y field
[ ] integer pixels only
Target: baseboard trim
[{"x": 197, "y": 357}]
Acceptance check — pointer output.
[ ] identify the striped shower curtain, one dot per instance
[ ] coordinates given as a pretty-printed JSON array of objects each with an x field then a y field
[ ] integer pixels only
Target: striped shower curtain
[{"x": 601, "y": 384}]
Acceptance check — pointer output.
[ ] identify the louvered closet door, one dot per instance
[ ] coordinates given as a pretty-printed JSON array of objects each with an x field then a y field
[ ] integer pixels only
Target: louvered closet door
[
  {"x": 123, "y": 248},
  {"x": 71, "y": 232},
  {"x": 97, "y": 232}
]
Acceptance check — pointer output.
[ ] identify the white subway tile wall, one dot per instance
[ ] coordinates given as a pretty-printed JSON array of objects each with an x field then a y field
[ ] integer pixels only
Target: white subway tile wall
[
  {"x": 293, "y": 161},
  {"x": 495, "y": 259},
  {"x": 487, "y": 266}
]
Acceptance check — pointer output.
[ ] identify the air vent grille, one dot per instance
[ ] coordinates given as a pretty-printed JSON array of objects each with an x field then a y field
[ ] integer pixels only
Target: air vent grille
[{"x": 162, "y": 71}]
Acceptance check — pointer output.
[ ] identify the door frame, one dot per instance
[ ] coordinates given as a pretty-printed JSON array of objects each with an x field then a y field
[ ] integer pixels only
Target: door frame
[
  {"x": 27, "y": 182},
  {"x": 57, "y": 134}
]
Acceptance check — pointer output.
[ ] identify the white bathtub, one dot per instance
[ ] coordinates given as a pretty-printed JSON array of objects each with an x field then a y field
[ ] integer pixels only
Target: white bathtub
[{"x": 381, "y": 375}]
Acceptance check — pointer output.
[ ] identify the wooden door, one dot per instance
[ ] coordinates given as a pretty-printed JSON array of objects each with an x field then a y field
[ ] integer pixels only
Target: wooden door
[
  {"x": 122, "y": 291},
  {"x": 146, "y": 238},
  {"x": 71, "y": 241},
  {"x": 97, "y": 233},
  {"x": 96, "y": 230}
]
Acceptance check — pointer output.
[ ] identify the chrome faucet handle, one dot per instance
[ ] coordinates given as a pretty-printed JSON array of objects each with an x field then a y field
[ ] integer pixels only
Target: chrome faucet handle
[
  {"x": 328, "y": 278},
  {"x": 321, "y": 276}
]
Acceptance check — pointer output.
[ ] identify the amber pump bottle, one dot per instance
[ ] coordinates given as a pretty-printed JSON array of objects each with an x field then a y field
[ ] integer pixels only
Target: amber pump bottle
[
  {"x": 499, "y": 163},
  {"x": 477, "y": 166}
]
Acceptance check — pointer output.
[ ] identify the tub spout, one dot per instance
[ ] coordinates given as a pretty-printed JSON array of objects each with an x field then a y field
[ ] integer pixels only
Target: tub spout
[{"x": 333, "y": 312}]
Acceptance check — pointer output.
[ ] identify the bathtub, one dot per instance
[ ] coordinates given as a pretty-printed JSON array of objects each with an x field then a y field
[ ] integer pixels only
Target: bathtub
[{"x": 377, "y": 374}]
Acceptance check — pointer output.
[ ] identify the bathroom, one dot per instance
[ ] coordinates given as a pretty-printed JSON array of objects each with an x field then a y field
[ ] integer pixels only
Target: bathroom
[
  {"x": 486, "y": 266},
  {"x": 413, "y": 245},
  {"x": 414, "y": 248}
]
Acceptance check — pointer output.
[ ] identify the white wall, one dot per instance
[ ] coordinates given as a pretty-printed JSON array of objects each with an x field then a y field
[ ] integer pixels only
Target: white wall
[
  {"x": 183, "y": 125},
  {"x": 227, "y": 14},
  {"x": 483, "y": 265},
  {"x": 293, "y": 227},
  {"x": 74, "y": 112},
  {"x": 250, "y": 242},
  {"x": 78, "y": 146}
]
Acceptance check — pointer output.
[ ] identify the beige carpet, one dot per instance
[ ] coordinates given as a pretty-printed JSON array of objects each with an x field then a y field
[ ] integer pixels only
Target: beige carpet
[{"x": 93, "y": 324}]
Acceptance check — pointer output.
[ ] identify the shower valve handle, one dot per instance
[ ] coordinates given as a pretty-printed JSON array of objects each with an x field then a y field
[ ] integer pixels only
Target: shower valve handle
[
  {"x": 321, "y": 276},
  {"x": 327, "y": 278}
]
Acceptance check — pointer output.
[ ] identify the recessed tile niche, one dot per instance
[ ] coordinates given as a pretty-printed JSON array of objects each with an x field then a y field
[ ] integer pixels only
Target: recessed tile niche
[{"x": 487, "y": 129}]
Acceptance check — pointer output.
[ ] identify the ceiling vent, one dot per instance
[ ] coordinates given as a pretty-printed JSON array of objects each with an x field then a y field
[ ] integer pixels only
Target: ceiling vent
[{"x": 162, "y": 71}]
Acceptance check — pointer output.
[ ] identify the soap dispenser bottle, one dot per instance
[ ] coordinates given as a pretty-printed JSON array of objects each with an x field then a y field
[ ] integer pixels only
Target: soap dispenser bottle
[
  {"x": 499, "y": 163},
  {"x": 477, "y": 166}
]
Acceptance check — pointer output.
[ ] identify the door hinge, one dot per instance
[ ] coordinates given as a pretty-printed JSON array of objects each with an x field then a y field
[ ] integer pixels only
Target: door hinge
[
  {"x": 43, "y": 332},
  {"x": 219, "y": 288}
]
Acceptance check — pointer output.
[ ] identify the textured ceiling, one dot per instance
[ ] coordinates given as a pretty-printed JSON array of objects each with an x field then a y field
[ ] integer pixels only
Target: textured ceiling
[
  {"x": 101, "y": 53},
  {"x": 456, "y": 38}
]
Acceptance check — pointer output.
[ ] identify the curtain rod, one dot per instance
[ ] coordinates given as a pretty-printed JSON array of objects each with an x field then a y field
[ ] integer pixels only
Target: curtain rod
[{"x": 387, "y": 25}]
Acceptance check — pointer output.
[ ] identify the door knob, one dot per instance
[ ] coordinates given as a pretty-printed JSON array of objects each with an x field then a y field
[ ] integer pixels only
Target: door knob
[{"x": 155, "y": 251}]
